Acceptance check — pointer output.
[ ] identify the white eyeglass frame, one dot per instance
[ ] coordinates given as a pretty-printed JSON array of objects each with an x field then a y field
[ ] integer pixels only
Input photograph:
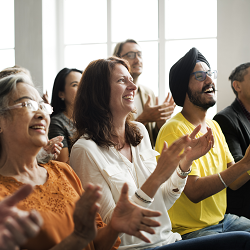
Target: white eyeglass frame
[{"x": 45, "y": 107}]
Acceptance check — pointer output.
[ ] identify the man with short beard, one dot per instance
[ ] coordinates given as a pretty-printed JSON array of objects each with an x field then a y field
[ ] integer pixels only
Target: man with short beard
[{"x": 201, "y": 208}]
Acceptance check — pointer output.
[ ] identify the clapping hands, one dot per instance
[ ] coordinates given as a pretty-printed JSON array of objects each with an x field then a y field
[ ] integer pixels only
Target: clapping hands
[
  {"x": 197, "y": 147},
  {"x": 16, "y": 225}
]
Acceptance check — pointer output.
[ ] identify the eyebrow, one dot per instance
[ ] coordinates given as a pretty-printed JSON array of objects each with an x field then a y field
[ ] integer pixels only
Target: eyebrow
[
  {"x": 23, "y": 97},
  {"x": 26, "y": 97},
  {"x": 74, "y": 82}
]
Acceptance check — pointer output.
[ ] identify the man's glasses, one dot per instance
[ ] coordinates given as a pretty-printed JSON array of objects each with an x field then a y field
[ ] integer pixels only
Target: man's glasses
[
  {"x": 33, "y": 106},
  {"x": 132, "y": 54},
  {"x": 202, "y": 75}
]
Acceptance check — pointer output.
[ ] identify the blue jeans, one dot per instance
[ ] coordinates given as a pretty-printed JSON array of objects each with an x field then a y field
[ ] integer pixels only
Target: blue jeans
[
  {"x": 225, "y": 241},
  {"x": 231, "y": 223}
]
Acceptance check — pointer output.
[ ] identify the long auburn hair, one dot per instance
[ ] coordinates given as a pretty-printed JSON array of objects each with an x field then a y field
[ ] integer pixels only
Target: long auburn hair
[{"x": 92, "y": 116}]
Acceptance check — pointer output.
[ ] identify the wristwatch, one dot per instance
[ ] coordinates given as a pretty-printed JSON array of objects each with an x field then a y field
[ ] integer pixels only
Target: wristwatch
[{"x": 181, "y": 172}]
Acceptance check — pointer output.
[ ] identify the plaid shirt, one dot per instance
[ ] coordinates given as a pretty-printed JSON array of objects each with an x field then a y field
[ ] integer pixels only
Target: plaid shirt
[{"x": 246, "y": 113}]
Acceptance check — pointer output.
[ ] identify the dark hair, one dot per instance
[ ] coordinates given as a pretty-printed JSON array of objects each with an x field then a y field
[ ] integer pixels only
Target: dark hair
[
  {"x": 119, "y": 46},
  {"x": 238, "y": 75},
  {"x": 59, "y": 85},
  {"x": 92, "y": 116}
]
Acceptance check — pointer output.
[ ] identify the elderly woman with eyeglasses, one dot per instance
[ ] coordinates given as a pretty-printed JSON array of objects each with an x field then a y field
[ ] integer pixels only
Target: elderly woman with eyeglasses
[
  {"x": 111, "y": 150},
  {"x": 24, "y": 122}
]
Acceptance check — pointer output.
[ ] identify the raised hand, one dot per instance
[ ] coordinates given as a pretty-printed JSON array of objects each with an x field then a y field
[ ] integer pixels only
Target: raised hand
[
  {"x": 45, "y": 97},
  {"x": 170, "y": 158},
  {"x": 54, "y": 146},
  {"x": 168, "y": 106},
  {"x": 85, "y": 213},
  {"x": 16, "y": 226},
  {"x": 132, "y": 219},
  {"x": 198, "y": 146},
  {"x": 157, "y": 113}
]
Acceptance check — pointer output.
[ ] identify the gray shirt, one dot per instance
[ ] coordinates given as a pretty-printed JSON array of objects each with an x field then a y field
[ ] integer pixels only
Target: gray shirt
[{"x": 61, "y": 125}]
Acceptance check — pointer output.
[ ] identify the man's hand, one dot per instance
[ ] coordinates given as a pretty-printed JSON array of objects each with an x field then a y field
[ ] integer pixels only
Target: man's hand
[
  {"x": 16, "y": 226},
  {"x": 132, "y": 219},
  {"x": 157, "y": 113},
  {"x": 45, "y": 97},
  {"x": 170, "y": 105}
]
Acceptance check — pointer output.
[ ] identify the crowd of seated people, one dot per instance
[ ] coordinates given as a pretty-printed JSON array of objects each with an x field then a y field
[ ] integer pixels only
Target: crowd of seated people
[{"x": 134, "y": 197}]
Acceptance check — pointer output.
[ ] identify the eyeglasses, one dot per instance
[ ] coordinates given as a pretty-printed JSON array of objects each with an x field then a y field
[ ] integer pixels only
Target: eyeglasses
[
  {"x": 202, "y": 75},
  {"x": 132, "y": 54},
  {"x": 33, "y": 106}
]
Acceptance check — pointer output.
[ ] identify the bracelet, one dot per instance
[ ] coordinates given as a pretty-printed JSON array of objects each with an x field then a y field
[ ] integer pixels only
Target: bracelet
[
  {"x": 222, "y": 181},
  {"x": 141, "y": 199}
]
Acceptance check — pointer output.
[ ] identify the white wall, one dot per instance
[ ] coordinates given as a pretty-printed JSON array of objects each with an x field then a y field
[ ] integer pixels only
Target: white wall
[
  {"x": 36, "y": 33},
  {"x": 233, "y": 44},
  {"x": 28, "y": 37}
]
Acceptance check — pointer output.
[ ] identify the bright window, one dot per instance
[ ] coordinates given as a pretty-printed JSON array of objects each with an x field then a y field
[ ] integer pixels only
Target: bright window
[
  {"x": 92, "y": 28},
  {"x": 7, "y": 41}
]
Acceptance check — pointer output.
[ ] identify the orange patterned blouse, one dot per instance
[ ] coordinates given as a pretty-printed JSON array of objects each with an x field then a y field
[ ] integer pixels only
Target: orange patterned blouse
[{"x": 55, "y": 201}]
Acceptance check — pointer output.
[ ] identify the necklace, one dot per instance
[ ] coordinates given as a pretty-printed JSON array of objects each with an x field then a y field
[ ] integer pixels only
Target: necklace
[{"x": 129, "y": 169}]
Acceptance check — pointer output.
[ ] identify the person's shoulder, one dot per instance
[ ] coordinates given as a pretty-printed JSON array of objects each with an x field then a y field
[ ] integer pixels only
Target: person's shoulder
[
  {"x": 58, "y": 118},
  {"x": 139, "y": 125},
  {"x": 226, "y": 112},
  {"x": 174, "y": 124},
  {"x": 230, "y": 112},
  {"x": 213, "y": 124},
  {"x": 86, "y": 144},
  {"x": 58, "y": 167},
  {"x": 145, "y": 89}
]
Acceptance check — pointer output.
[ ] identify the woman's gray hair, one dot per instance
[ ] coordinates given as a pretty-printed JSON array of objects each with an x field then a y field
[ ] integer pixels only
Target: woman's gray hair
[{"x": 7, "y": 86}]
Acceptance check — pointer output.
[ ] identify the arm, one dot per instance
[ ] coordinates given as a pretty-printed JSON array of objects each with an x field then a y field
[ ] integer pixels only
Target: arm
[
  {"x": 172, "y": 189},
  {"x": 199, "y": 188},
  {"x": 85, "y": 167},
  {"x": 128, "y": 218},
  {"x": 231, "y": 133},
  {"x": 64, "y": 155},
  {"x": 57, "y": 129},
  {"x": 51, "y": 150}
]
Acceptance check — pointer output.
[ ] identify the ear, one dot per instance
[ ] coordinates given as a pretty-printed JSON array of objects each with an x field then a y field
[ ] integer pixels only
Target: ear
[
  {"x": 61, "y": 94},
  {"x": 237, "y": 86}
]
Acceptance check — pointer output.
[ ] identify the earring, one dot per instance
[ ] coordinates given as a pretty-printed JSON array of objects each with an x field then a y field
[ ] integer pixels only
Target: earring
[{"x": 62, "y": 99}]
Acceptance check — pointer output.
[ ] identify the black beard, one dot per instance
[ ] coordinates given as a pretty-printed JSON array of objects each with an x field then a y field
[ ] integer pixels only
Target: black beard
[{"x": 196, "y": 100}]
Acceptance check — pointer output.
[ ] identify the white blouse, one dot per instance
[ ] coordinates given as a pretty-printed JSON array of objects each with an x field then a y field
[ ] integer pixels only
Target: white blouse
[{"x": 110, "y": 169}]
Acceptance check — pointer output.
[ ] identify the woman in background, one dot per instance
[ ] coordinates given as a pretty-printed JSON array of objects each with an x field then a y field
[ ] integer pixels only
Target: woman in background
[{"x": 63, "y": 95}]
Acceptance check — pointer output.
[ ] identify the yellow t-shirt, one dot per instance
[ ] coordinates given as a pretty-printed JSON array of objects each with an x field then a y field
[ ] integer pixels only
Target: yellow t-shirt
[{"x": 185, "y": 215}]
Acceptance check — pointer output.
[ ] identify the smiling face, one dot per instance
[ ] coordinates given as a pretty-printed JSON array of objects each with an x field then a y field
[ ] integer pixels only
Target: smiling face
[
  {"x": 122, "y": 91},
  {"x": 71, "y": 85},
  {"x": 136, "y": 64},
  {"x": 201, "y": 94},
  {"x": 23, "y": 127}
]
